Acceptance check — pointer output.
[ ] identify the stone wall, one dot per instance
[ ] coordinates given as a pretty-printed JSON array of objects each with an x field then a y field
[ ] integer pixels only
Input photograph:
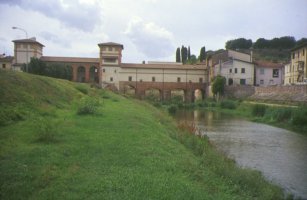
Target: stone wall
[
  {"x": 289, "y": 93},
  {"x": 239, "y": 91}
]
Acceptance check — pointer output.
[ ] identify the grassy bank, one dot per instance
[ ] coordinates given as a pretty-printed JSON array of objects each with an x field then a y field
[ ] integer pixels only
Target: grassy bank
[{"x": 63, "y": 140}]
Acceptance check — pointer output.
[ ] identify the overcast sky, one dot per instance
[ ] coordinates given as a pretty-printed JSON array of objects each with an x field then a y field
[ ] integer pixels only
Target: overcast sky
[{"x": 148, "y": 29}]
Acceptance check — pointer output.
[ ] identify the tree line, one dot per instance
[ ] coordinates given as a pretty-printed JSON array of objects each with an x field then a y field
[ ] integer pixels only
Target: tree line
[
  {"x": 55, "y": 70},
  {"x": 286, "y": 42},
  {"x": 184, "y": 55}
]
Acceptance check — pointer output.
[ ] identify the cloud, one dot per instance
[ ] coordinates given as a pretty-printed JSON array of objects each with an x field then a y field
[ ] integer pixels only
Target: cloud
[
  {"x": 83, "y": 16},
  {"x": 149, "y": 38},
  {"x": 55, "y": 39}
]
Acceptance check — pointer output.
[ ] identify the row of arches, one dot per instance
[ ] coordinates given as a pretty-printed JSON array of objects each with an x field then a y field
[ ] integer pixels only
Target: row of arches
[
  {"x": 86, "y": 74},
  {"x": 175, "y": 95}
]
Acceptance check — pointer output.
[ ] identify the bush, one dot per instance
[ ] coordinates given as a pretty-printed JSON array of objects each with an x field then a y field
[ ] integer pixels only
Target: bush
[
  {"x": 228, "y": 104},
  {"x": 47, "y": 130},
  {"x": 282, "y": 114},
  {"x": 88, "y": 106},
  {"x": 172, "y": 109},
  {"x": 258, "y": 110},
  {"x": 300, "y": 117}
]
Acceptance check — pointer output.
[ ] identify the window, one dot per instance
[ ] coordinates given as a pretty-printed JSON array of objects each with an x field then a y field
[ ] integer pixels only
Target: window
[
  {"x": 178, "y": 79},
  {"x": 25, "y": 46},
  {"x": 230, "y": 70},
  {"x": 262, "y": 71},
  {"x": 242, "y": 70},
  {"x": 103, "y": 70},
  {"x": 153, "y": 79},
  {"x": 200, "y": 80},
  {"x": 111, "y": 79},
  {"x": 293, "y": 55},
  {"x": 130, "y": 78},
  {"x": 303, "y": 52},
  {"x": 275, "y": 73},
  {"x": 110, "y": 48},
  {"x": 242, "y": 81},
  {"x": 190, "y": 81},
  {"x": 261, "y": 82},
  {"x": 236, "y": 70},
  {"x": 110, "y": 60},
  {"x": 141, "y": 80},
  {"x": 230, "y": 81},
  {"x": 115, "y": 71},
  {"x": 3, "y": 66}
]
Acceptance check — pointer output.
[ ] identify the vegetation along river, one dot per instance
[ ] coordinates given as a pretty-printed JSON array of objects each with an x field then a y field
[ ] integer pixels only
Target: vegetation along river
[{"x": 281, "y": 155}]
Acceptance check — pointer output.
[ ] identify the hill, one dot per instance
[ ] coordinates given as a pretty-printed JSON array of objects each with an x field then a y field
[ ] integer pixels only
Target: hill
[{"x": 64, "y": 140}]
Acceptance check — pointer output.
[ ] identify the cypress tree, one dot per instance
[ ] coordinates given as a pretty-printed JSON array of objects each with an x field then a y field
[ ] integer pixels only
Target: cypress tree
[
  {"x": 189, "y": 53},
  {"x": 178, "y": 59}
]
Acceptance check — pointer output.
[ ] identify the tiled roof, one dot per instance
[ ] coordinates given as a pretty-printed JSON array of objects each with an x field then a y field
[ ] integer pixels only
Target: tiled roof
[
  {"x": 69, "y": 59},
  {"x": 268, "y": 64},
  {"x": 162, "y": 66},
  {"x": 111, "y": 44},
  {"x": 27, "y": 41},
  {"x": 7, "y": 59}
]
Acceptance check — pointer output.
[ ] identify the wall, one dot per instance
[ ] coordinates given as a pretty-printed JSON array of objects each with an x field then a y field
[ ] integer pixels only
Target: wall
[
  {"x": 267, "y": 77},
  {"x": 283, "y": 94},
  {"x": 239, "y": 91}
]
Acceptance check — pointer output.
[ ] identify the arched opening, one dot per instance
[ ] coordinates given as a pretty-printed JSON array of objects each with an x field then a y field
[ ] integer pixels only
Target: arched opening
[
  {"x": 199, "y": 95},
  {"x": 153, "y": 95},
  {"x": 129, "y": 90},
  {"x": 230, "y": 81},
  {"x": 81, "y": 74},
  {"x": 177, "y": 96},
  {"x": 94, "y": 74}
]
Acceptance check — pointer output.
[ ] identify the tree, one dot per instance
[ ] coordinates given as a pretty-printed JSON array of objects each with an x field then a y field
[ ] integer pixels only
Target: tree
[
  {"x": 202, "y": 54},
  {"x": 240, "y": 43},
  {"x": 261, "y": 43},
  {"x": 36, "y": 66},
  {"x": 184, "y": 54},
  {"x": 178, "y": 55},
  {"x": 189, "y": 53},
  {"x": 193, "y": 60},
  {"x": 301, "y": 42},
  {"x": 218, "y": 86}
]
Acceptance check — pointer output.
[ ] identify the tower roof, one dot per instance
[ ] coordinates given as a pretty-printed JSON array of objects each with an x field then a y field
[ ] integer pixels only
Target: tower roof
[
  {"x": 28, "y": 41},
  {"x": 111, "y": 44}
]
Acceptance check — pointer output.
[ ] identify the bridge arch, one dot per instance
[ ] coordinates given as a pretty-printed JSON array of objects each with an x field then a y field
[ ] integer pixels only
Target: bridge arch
[
  {"x": 81, "y": 74},
  {"x": 94, "y": 74},
  {"x": 153, "y": 94},
  {"x": 129, "y": 90}
]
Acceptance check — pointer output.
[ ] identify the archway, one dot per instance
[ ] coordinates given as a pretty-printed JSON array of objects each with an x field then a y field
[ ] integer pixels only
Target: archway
[
  {"x": 198, "y": 95},
  {"x": 153, "y": 95},
  {"x": 177, "y": 96},
  {"x": 129, "y": 90},
  {"x": 94, "y": 74},
  {"x": 230, "y": 81},
  {"x": 81, "y": 74}
]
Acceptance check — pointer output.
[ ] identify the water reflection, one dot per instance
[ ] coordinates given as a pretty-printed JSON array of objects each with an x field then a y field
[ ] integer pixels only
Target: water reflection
[{"x": 281, "y": 155}]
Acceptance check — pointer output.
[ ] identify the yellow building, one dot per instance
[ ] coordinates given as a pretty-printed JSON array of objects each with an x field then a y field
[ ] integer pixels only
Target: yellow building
[{"x": 296, "y": 71}]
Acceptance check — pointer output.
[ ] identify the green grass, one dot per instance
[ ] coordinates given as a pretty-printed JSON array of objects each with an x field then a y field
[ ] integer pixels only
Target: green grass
[{"x": 126, "y": 150}]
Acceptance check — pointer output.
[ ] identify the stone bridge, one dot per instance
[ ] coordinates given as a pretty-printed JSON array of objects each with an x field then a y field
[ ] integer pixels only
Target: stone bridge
[{"x": 165, "y": 89}]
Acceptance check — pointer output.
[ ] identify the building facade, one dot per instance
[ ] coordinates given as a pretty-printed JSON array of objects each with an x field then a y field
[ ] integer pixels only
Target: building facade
[
  {"x": 6, "y": 62},
  {"x": 296, "y": 72},
  {"x": 24, "y": 50},
  {"x": 268, "y": 73},
  {"x": 235, "y": 66}
]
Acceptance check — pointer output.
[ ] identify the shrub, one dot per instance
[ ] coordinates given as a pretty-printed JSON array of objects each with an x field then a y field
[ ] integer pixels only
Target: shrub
[
  {"x": 282, "y": 114},
  {"x": 172, "y": 109},
  {"x": 228, "y": 104},
  {"x": 88, "y": 106},
  {"x": 47, "y": 130},
  {"x": 258, "y": 110},
  {"x": 300, "y": 117}
]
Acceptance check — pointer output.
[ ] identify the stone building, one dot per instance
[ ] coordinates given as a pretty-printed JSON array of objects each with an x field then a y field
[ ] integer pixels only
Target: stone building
[
  {"x": 268, "y": 73},
  {"x": 296, "y": 72},
  {"x": 24, "y": 50},
  {"x": 6, "y": 62}
]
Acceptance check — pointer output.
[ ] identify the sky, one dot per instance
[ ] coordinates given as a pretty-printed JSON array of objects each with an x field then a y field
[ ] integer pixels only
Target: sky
[{"x": 150, "y": 30}]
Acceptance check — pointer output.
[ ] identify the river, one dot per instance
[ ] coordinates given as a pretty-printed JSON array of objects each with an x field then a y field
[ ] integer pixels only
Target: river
[{"x": 281, "y": 155}]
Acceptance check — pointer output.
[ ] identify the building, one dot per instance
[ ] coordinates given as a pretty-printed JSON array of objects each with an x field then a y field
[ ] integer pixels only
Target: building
[
  {"x": 296, "y": 72},
  {"x": 24, "y": 50},
  {"x": 268, "y": 73},
  {"x": 235, "y": 66},
  {"x": 6, "y": 62}
]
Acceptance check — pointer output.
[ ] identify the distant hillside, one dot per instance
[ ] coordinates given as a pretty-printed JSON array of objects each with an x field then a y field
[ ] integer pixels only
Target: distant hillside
[{"x": 273, "y": 55}]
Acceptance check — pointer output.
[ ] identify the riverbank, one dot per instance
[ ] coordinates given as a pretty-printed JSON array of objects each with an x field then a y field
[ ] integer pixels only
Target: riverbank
[
  {"x": 63, "y": 140},
  {"x": 290, "y": 117}
]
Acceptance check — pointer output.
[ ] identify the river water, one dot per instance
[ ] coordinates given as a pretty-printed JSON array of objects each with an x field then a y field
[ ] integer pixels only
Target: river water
[{"x": 281, "y": 155}]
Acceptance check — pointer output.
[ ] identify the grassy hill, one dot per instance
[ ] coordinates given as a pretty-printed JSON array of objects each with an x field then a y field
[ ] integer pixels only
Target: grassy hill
[{"x": 64, "y": 140}]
